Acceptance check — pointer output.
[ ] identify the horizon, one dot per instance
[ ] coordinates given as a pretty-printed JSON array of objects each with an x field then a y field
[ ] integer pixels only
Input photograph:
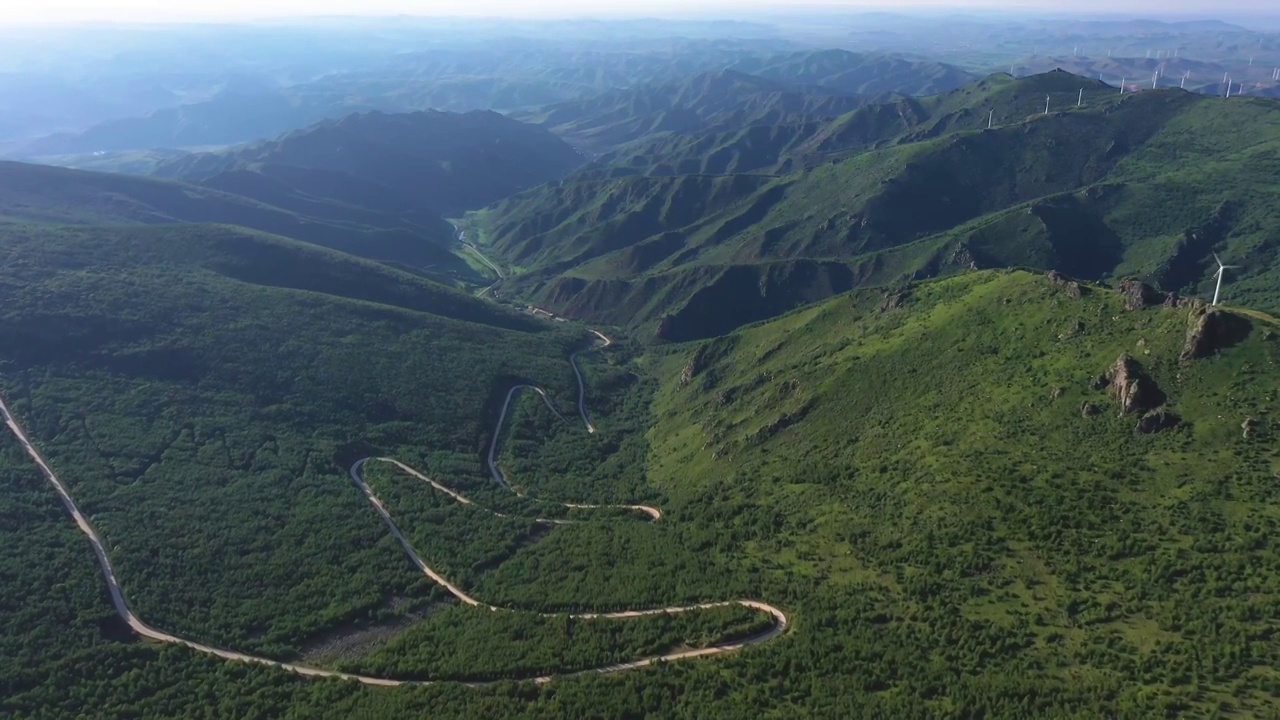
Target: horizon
[{"x": 153, "y": 12}]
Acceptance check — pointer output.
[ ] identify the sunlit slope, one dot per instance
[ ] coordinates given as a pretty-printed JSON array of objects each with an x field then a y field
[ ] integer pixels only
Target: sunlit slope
[{"x": 943, "y": 454}]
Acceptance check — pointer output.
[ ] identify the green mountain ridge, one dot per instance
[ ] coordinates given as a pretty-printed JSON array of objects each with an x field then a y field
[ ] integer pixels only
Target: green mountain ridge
[
  {"x": 42, "y": 194},
  {"x": 1114, "y": 187},
  {"x": 727, "y": 98},
  {"x": 432, "y": 162}
]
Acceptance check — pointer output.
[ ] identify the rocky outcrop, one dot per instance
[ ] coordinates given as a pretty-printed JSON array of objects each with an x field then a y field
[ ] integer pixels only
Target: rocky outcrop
[
  {"x": 1174, "y": 300},
  {"x": 1071, "y": 287},
  {"x": 1212, "y": 330},
  {"x": 1132, "y": 388},
  {"x": 686, "y": 375},
  {"x": 894, "y": 300},
  {"x": 962, "y": 257},
  {"x": 1157, "y": 420},
  {"x": 1250, "y": 426},
  {"x": 1089, "y": 410},
  {"x": 1139, "y": 295}
]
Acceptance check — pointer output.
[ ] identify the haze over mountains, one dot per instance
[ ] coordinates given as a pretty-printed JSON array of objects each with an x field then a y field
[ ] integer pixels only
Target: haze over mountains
[{"x": 822, "y": 352}]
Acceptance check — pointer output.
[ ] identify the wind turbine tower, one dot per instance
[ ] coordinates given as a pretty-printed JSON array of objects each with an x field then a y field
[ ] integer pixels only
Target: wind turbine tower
[
  {"x": 1222, "y": 269},
  {"x": 1046, "y": 104},
  {"x": 991, "y": 119},
  {"x": 1080, "y": 100}
]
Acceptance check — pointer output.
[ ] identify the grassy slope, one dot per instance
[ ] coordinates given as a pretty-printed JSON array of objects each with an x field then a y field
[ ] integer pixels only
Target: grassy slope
[{"x": 918, "y": 458}]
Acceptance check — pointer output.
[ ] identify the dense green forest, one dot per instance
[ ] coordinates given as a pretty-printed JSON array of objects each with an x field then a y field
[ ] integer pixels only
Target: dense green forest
[{"x": 926, "y": 576}]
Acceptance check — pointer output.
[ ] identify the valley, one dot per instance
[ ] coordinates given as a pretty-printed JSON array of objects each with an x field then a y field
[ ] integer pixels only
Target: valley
[{"x": 821, "y": 364}]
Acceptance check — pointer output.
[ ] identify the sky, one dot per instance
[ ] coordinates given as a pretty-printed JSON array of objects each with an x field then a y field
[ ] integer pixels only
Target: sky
[{"x": 45, "y": 11}]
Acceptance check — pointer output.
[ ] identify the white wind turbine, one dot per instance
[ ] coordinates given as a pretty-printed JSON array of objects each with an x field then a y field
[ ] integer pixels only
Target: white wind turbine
[{"x": 1222, "y": 270}]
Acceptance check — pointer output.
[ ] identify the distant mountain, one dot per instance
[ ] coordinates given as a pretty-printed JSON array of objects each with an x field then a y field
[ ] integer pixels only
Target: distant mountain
[
  {"x": 914, "y": 189},
  {"x": 50, "y": 118},
  {"x": 858, "y": 74},
  {"x": 37, "y": 104},
  {"x": 708, "y": 101},
  {"x": 228, "y": 118},
  {"x": 427, "y": 162}
]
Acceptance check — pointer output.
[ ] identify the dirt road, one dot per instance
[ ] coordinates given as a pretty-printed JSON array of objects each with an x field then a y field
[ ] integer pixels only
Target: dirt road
[{"x": 780, "y": 620}]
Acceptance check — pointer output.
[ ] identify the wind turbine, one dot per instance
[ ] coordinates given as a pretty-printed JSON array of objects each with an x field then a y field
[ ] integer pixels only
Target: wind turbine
[{"x": 1222, "y": 270}]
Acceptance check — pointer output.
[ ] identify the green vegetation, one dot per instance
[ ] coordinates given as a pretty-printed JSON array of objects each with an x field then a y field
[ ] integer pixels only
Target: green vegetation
[
  {"x": 703, "y": 102},
  {"x": 205, "y": 419},
  {"x": 469, "y": 644},
  {"x": 933, "y": 458},
  {"x": 913, "y": 481},
  {"x": 1144, "y": 184},
  {"x": 48, "y": 195},
  {"x": 976, "y": 493},
  {"x": 408, "y": 164}
]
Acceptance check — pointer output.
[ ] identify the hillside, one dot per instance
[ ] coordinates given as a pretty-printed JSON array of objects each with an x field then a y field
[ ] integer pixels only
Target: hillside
[
  {"x": 430, "y": 162},
  {"x": 43, "y": 194},
  {"x": 779, "y": 149},
  {"x": 1144, "y": 184},
  {"x": 707, "y": 101},
  {"x": 966, "y": 499},
  {"x": 203, "y": 392}
]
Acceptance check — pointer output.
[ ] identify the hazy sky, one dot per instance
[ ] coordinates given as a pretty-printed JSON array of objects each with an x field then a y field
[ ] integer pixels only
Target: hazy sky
[{"x": 24, "y": 11}]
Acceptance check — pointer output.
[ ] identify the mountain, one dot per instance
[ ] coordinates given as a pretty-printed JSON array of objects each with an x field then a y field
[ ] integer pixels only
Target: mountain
[
  {"x": 962, "y": 475},
  {"x": 857, "y": 74},
  {"x": 777, "y": 149},
  {"x": 1143, "y": 184},
  {"x": 230, "y": 117},
  {"x": 1161, "y": 72},
  {"x": 49, "y": 195},
  {"x": 726, "y": 98},
  {"x": 140, "y": 99},
  {"x": 429, "y": 162}
]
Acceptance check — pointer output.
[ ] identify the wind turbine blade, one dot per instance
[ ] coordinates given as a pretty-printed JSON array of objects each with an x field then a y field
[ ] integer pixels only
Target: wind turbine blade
[{"x": 1217, "y": 259}]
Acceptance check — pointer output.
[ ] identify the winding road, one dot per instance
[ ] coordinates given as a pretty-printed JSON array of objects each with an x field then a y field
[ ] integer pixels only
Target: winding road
[
  {"x": 780, "y": 620},
  {"x": 462, "y": 238}
]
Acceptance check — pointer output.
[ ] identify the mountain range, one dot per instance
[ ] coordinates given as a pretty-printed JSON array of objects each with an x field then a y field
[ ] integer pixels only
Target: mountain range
[
  {"x": 919, "y": 360},
  {"x": 1142, "y": 184}
]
